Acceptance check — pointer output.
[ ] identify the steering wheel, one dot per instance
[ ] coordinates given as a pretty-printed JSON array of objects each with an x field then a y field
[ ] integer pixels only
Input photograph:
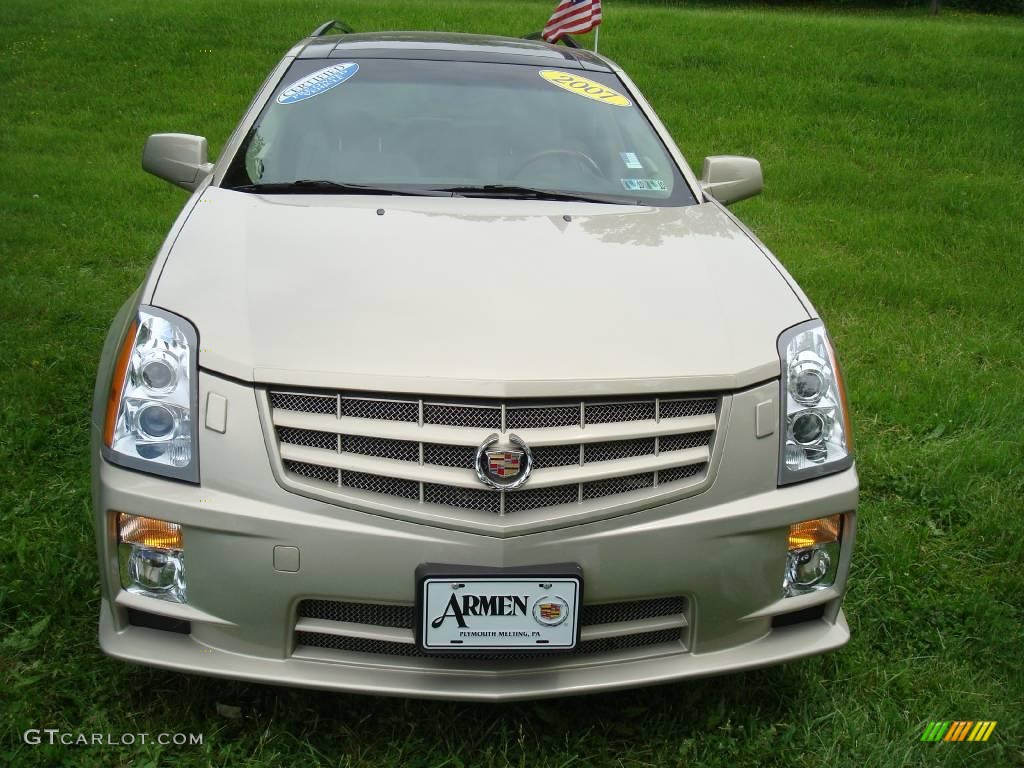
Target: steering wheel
[{"x": 584, "y": 159}]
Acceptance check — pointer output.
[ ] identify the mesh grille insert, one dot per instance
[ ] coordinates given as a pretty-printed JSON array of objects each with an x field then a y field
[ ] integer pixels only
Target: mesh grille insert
[
  {"x": 600, "y": 488},
  {"x": 674, "y": 409},
  {"x": 667, "y": 476},
  {"x": 313, "y": 471},
  {"x": 603, "y": 413},
  {"x": 374, "y": 614},
  {"x": 556, "y": 456},
  {"x": 462, "y": 416},
  {"x": 464, "y": 498},
  {"x": 681, "y": 442},
  {"x": 541, "y": 417},
  {"x": 308, "y": 437},
  {"x": 290, "y": 401},
  {"x": 613, "y": 613},
  {"x": 537, "y": 498},
  {"x": 403, "y": 616},
  {"x": 618, "y": 449},
  {"x": 399, "y": 450},
  {"x": 382, "y": 647},
  {"x": 449, "y": 455},
  {"x": 388, "y": 486},
  {"x": 384, "y": 410}
]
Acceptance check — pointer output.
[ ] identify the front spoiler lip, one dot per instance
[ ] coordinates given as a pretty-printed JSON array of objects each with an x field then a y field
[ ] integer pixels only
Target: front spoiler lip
[{"x": 182, "y": 653}]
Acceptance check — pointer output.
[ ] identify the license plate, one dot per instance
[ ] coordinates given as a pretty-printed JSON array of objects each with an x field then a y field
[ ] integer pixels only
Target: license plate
[{"x": 470, "y": 611}]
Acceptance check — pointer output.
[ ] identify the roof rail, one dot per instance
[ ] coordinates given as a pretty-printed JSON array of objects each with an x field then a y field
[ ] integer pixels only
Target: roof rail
[
  {"x": 326, "y": 27},
  {"x": 566, "y": 39}
]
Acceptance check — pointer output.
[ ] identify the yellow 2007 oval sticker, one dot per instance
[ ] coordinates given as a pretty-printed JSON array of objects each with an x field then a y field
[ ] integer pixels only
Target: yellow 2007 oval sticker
[{"x": 584, "y": 87}]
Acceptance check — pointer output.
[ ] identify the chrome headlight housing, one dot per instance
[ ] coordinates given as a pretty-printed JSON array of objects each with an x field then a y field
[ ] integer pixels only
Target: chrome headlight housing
[
  {"x": 153, "y": 398},
  {"x": 815, "y": 428}
]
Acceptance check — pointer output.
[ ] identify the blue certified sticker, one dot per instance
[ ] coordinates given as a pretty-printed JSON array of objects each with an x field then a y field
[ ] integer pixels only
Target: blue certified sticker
[{"x": 318, "y": 82}]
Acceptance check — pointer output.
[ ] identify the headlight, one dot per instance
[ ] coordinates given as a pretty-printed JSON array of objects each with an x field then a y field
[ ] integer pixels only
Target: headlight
[
  {"x": 815, "y": 433},
  {"x": 149, "y": 421}
]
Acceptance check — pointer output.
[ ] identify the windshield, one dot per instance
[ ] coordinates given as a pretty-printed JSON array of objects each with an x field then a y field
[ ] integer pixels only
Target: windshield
[{"x": 465, "y": 128}]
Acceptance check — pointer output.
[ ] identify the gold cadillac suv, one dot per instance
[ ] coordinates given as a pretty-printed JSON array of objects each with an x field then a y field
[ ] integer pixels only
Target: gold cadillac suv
[{"x": 452, "y": 380}]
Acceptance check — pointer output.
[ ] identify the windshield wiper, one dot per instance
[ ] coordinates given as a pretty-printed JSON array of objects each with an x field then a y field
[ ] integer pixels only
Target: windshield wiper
[
  {"x": 509, "y": 191},
  {"x": 323, "y": 186},
  {"x": 530, "y": 193}
]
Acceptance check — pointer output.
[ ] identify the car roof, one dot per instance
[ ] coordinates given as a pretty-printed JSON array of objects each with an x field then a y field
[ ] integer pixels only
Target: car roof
[{"x": 449, "y": 46}]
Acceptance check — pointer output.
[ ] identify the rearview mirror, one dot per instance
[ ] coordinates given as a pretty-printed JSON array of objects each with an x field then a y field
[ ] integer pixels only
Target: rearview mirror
[
  {"x": 729, "y": 178},
  {"x": 179, "y": 158}
]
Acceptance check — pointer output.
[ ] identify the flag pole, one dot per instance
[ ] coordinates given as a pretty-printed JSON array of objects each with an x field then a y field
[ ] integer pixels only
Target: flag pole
[{"x": 597, "y": 35}]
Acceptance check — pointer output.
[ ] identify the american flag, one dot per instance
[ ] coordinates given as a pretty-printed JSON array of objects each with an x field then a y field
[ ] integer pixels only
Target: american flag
[{"x": 576, "y": 16}]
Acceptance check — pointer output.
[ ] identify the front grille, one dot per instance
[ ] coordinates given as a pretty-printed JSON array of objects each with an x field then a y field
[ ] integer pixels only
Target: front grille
[
  {"x": 403, "y": 617},
  {"x": 424, "y": 451}
]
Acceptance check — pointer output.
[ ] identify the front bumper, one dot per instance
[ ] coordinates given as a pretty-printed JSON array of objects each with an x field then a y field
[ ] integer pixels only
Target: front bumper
[
  {"x": 185, "y": 654},
  {"x": 724, "y": 555}
]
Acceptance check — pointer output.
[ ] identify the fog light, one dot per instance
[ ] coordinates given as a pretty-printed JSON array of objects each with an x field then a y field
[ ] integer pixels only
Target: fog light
[
  {"x": 151, "y": 557},
  {"x": 813, "y": 557},
  {"x": 809, "y": 567}
]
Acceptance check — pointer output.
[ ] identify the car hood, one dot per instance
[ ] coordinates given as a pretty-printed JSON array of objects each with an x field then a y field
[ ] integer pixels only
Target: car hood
[{"x": 441, "y": 295}]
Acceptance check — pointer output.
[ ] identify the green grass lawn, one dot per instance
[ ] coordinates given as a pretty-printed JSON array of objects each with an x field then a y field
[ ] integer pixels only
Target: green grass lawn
[{"x": 893, "y": 150}]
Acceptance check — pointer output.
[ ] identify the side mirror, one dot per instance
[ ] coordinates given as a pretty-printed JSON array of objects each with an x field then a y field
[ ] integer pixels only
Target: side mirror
[
  {"x": 729, "y": 178},
  {"x": 179, "y": 158}
]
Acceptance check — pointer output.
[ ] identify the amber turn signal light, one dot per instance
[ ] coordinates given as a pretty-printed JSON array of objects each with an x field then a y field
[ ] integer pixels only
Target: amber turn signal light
[
  {"x": 124, "y": 357},
  {"x": 148, "y": 532},
  {"x": 813, "y": 533}
]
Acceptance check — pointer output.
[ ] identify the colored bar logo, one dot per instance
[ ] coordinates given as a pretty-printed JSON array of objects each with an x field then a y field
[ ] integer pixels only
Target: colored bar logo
[{"x": 959, "y": 730}]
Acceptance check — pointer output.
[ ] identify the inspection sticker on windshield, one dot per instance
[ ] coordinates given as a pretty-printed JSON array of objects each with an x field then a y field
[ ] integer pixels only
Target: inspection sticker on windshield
[
  {"x": 318, "y": 82},
  {"x": 644, "y": 185},
  {"x": 630, "y": 160},
  {"x": 581, "y": 86}
]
